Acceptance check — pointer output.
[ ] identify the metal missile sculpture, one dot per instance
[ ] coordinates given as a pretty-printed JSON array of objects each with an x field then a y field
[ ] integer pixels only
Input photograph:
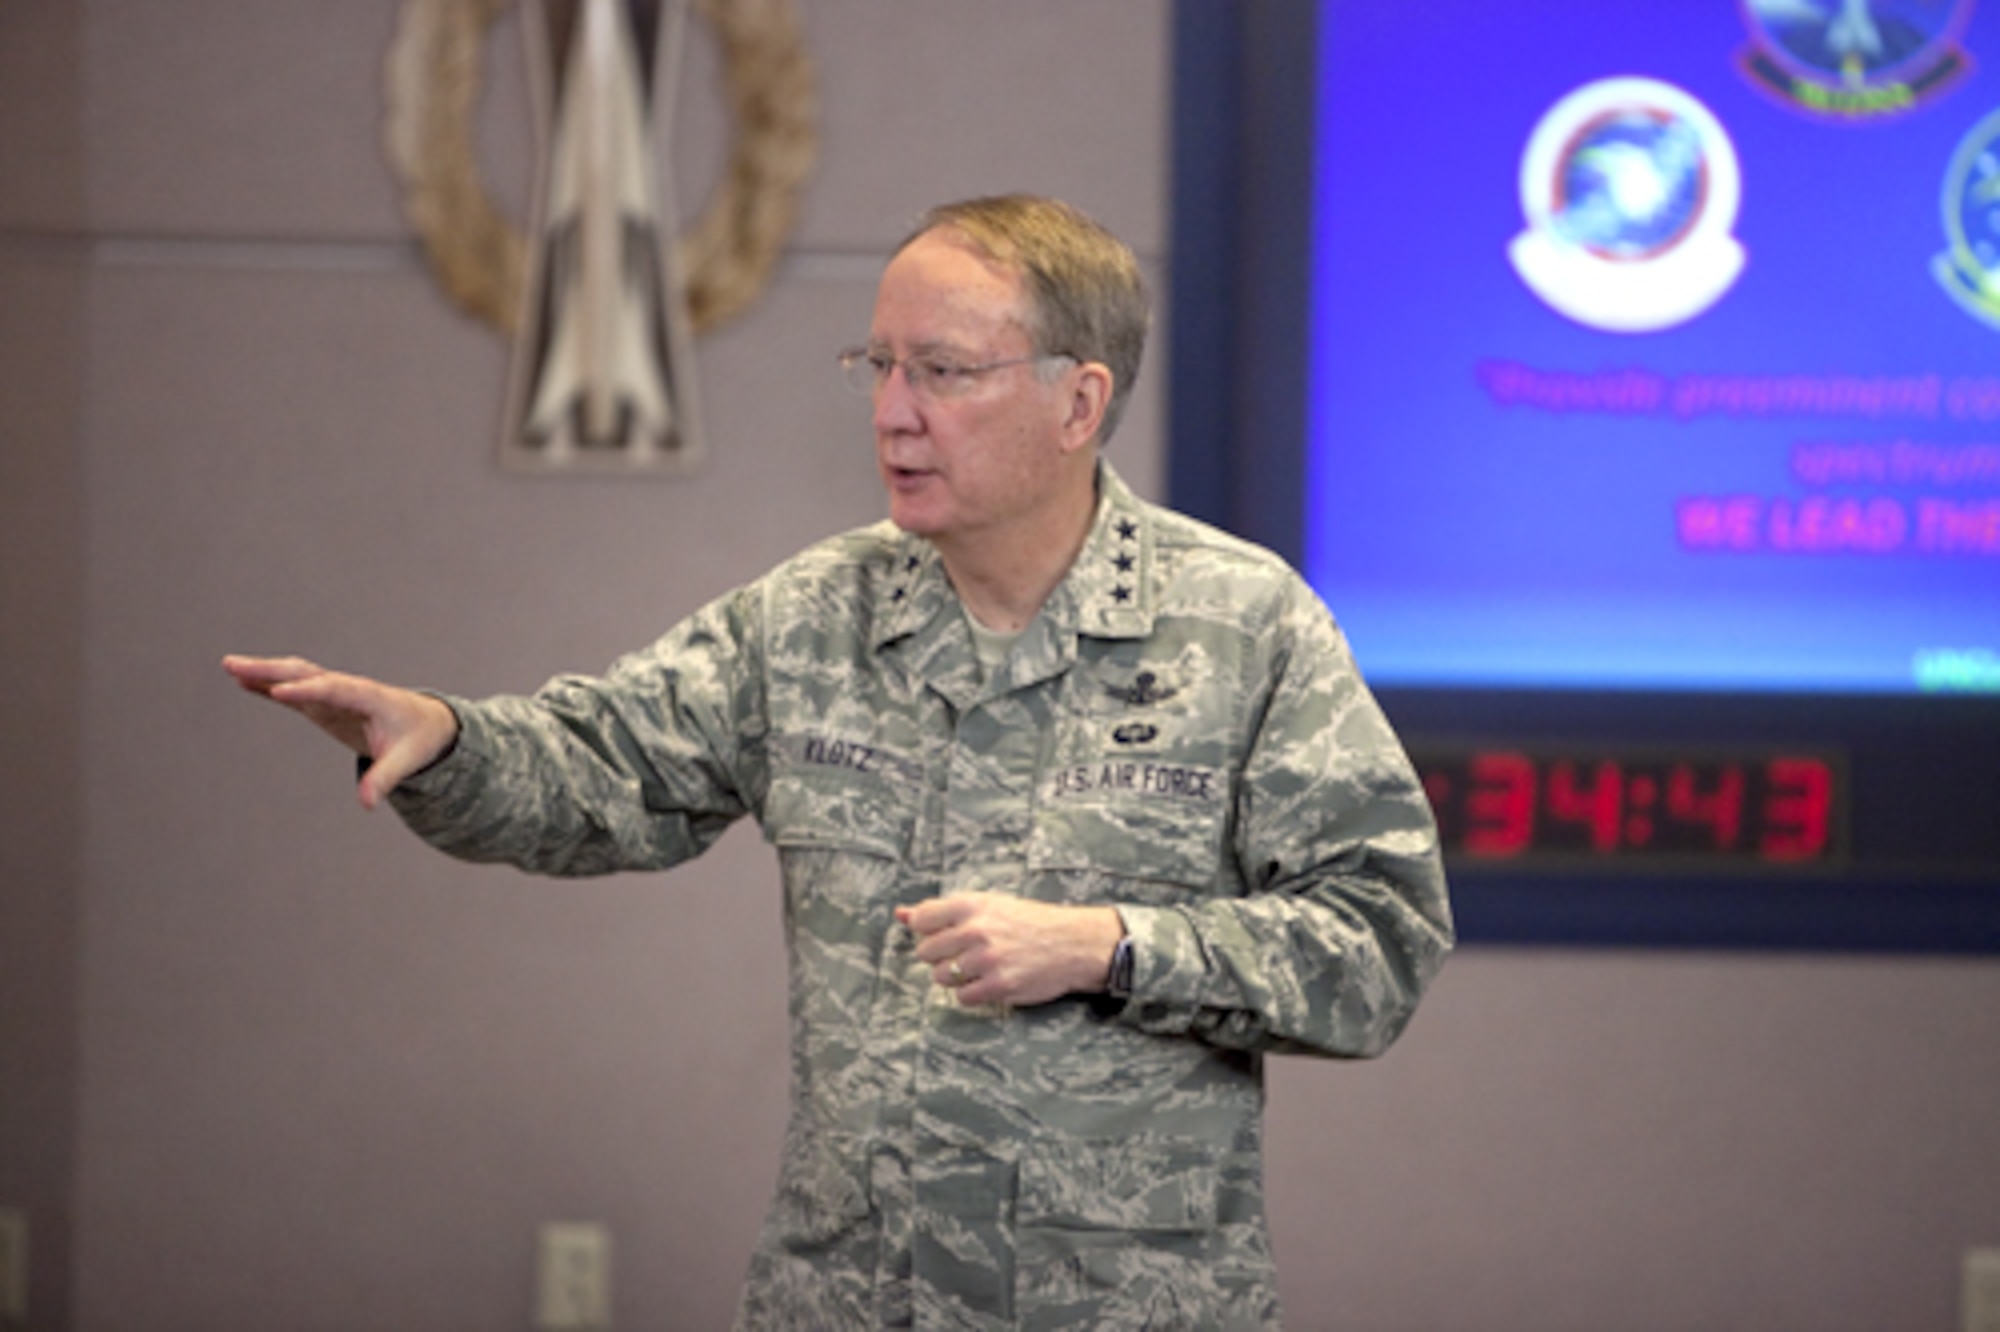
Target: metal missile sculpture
[{"x": 602, "y": 374}]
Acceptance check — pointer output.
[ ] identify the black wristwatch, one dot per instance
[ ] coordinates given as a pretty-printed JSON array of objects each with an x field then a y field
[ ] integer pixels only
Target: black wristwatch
[{"x": 1119, "y": 983}]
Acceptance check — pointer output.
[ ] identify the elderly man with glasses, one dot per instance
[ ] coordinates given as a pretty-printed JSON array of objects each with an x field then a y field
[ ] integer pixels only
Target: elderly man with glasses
[{"x": 1081, "y": 809}]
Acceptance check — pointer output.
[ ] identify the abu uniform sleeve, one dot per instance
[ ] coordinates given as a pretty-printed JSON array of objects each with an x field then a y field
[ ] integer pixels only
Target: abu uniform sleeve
[
  {"x": 1345, "y": 917},
  {"x": 640, "y": 769}
]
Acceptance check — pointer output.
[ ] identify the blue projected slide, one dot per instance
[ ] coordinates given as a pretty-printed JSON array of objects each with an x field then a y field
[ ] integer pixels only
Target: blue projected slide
[{"x": 1656, "y": 344}]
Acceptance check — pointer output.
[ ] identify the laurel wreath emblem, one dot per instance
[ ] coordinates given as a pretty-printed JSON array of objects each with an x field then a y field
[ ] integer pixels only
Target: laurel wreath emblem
[{"x": 433, "y": 78}]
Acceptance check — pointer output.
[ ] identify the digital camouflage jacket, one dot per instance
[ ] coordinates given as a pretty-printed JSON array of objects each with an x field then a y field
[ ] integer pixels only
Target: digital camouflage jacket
[{"x": 1181, "y": 733}]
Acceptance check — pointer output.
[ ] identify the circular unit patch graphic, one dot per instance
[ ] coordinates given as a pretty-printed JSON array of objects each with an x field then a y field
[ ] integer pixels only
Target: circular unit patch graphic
[
  {"x": 1856, "y": 59},
  {"x": 1970, "y": 268},
  {"x": 1630, "y": 188}
]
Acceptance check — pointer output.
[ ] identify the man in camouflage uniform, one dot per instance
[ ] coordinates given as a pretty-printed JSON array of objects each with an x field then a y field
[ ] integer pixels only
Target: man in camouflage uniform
[{"x": 1081, "y": 809}]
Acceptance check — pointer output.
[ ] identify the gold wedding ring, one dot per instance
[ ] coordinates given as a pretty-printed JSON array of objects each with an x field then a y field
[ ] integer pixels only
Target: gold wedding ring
[{"x": 957, "y": 972}]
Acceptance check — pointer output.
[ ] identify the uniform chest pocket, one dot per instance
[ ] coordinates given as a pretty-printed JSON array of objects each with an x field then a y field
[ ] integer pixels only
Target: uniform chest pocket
[
  {"x": 1158, "y": 817},
  {"x": 841, "y": 793}
]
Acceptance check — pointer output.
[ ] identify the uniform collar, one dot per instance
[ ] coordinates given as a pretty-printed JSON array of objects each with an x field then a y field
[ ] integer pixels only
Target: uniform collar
[
  {"x": 1109, "y": 592},
  {"x": 910, "y": 589}
]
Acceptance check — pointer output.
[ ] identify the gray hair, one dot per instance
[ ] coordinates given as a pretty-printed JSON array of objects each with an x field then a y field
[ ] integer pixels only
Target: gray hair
[{"x": 1086, "y": 296}]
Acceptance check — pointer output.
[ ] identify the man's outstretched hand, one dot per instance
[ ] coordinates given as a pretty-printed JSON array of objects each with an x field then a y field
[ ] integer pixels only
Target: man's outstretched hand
[{"x": 401, "y": 730}]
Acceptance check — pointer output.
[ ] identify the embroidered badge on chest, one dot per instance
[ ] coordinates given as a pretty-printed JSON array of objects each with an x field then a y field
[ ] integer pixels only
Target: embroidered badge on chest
[{"x": 1144, "y": 691}]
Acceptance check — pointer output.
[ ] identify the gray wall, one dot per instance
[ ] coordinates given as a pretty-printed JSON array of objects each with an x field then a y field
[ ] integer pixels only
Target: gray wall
[
  {"x": 42, "y": 334},
  {"x": 267, "y": 1063}
]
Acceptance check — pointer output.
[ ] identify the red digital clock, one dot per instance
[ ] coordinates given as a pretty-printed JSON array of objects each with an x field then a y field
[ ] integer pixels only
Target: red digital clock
[{"x": 1501, "y": 806}]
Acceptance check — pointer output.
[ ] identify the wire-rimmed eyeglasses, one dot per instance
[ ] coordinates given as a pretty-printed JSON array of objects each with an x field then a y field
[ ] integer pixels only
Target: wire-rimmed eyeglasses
[{"x": 866, "y": 369}]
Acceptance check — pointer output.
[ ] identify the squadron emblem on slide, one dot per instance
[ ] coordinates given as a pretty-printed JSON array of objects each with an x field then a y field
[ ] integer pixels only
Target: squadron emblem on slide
[
  {"x": 1855, "y": 59},
  {"x": 1969, "y": 268},
  {"x": 1630, "y": 189}
]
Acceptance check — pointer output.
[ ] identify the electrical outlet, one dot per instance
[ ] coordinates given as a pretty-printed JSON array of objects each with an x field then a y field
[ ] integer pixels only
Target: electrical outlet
[
  {"x": 1979, "y": 1293},
  {"x": 574, "y": 1288},
  {"x": 13, "y": 1268}
]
